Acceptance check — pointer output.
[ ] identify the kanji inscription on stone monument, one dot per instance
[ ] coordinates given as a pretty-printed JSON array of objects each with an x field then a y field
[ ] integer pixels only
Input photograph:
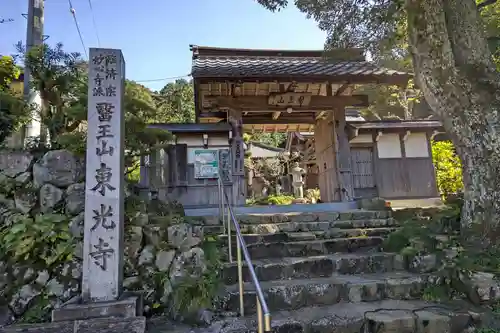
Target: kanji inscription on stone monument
[{"x": 103, "y": 237}]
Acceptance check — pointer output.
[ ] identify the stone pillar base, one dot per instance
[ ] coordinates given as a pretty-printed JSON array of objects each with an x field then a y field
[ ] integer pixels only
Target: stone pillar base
[
  {"x": 75, "y": 316},
  {"x": 128, "y": 306}
]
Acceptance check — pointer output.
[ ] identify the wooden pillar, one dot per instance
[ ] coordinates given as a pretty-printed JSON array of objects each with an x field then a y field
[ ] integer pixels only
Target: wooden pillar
[
  {"x": 238, "y": 158},
  {"x": 324, "y": 141},
  {"x": 343, "y": 157}
]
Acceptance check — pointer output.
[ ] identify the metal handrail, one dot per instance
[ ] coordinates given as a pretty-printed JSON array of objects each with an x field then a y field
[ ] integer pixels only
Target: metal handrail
[{"x": 263, "y": 314}]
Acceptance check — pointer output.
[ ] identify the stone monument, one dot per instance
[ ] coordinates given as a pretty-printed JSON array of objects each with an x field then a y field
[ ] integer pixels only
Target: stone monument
[
  {"x": 298, "y": 182},
  {"x": 102, "y": 296}
]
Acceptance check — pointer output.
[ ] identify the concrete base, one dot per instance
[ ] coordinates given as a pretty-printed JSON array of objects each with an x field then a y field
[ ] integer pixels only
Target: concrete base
[
  {"x": 279, "y": 209},
  {"x": 95, "y": 325},
  {"x": 128, "y": 306}
]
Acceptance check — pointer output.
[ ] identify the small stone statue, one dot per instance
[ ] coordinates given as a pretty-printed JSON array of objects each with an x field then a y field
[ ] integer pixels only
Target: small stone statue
[
  {"x": 278, "y": 189},
  {"x": 298, "y": 180}
]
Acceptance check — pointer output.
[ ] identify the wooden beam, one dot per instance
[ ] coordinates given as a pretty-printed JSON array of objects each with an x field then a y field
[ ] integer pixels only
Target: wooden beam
[
  {"x": 276, "y": 115},
  {"x": 342, "y": 89},
  {"x": 320, "y": 115},
  {"x": 216, "y": 114},
  {"x": 281, "y": 120},
  {"x": 251, "y": 103}
]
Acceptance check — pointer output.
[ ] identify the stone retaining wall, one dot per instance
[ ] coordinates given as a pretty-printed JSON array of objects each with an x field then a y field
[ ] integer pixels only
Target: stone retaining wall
[{"x": 44, "y": 198}]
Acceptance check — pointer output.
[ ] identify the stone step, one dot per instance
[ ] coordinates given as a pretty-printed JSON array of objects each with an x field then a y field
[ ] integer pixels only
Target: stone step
[
  {"x": 309, "y": 248},
  {"x": 296, "y": 294},
  {"x": 314, "y": 226},
  {"x": 388, "y": 316},
  {"x": 312, "y": 217},
  {"x": 317, "y": 226},
  {"x": 308, "y": 235},
  {"x": 315, "y": 267}
]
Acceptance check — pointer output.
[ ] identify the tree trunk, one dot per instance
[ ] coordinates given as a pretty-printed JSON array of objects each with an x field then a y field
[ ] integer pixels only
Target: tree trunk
[
  {"x": 455, "y": 71},
  {"x": 44, "y": 113}
]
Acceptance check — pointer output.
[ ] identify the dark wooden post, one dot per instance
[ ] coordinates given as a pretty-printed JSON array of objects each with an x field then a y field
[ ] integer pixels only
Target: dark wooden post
[{"x": 344, "y": 157}]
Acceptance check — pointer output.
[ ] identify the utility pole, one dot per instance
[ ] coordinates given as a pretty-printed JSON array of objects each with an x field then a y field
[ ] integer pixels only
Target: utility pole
[{"x": 34, "y": 37}]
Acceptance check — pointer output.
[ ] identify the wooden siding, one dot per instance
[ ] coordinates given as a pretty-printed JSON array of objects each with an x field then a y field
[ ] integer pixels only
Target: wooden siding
[
  {"x": 399, "y": 178},
  {"x": 410, "y": 177}
]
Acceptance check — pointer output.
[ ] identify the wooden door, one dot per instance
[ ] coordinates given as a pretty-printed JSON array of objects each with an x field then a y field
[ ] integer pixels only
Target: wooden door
[{"x": 362, "y": 172}]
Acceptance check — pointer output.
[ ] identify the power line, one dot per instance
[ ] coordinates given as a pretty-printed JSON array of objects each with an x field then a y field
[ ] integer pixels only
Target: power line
[
  {"x": 165, "y": 78},
  {"x": 95, "y": 25},
  {"x": 73, "y": 13}
]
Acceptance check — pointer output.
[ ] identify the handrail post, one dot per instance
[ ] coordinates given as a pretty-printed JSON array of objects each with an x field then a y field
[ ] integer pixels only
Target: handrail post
[
  {"x": 229, "y": 240},
  {"x": 267, "y": 323},
  {"x": 263, "y": 314},
  {"x": 260, "y": 323},
  {"x": 221, "y": 200},
  {"x": 240, "y": 275}
]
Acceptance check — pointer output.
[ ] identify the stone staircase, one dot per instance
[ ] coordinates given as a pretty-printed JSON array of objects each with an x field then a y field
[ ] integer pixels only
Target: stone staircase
[{"x": 325, "y": 272}]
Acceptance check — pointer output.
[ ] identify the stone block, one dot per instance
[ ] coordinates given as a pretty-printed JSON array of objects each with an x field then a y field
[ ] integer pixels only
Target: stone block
[
  {"x": 75, "y": 198},
  {"x": 111, "y": 325},
  {"x": 14, "y": 163},
  {"x": 58, "y": 167},
  {"x": 99, "y": 325},
  {"x": 128, "y": 306}
]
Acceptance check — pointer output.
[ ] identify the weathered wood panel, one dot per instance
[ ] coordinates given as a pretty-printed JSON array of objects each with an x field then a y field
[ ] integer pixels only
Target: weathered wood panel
[
  {"x": 344, "y": 156},
  {"x": 362, "y": 167},
  {"x": 421, "y": 177},
  {"x": 326, "y": 159},
  {"x": 392, "y": 178},
  {"x": 406, "y": 178},
  {"x": 194, "y": 196}
]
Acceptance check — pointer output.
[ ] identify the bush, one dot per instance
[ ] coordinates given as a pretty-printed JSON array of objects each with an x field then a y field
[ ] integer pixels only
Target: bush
[
  {"x": 437, "y": 233},
  {"x": 448, "y": 168}
]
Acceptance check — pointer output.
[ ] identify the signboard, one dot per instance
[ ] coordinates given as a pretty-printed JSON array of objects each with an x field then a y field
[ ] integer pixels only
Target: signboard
[
  {"x": 206, "y": 164},
  {"x": 290, "y": 99}
]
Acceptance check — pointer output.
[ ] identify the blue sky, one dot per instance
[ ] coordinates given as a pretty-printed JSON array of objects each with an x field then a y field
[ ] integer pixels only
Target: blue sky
[{"x": 154, "y": 35}]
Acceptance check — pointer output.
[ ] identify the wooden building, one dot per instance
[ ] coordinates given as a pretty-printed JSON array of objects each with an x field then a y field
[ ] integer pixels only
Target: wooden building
[
  {"x": 174, "y": 173},
  {"x": 288, "y": 91},
  {"x": 391, "y": 159}
]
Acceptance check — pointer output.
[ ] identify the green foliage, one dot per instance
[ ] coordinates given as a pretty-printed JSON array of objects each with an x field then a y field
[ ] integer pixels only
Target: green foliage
[
  {"x": 43, "y": 241},
  {"x": 61, "y": 79},
  {"x": 195, "y": 293},
  {"x": 347, "y": 23},
  {"x": 448, "y": 168},
  {"x": 313, "y": 194},
  {"x": 271, "y": 139},
  {"x": 175, "y": 102},
  {"x": 39, "y": 312},
  {"x": 8, "y": 72},
  {"x": 438, "y": 232},
  {"x": 13, "y": 110},
  {"x": 272, "y": 199}
]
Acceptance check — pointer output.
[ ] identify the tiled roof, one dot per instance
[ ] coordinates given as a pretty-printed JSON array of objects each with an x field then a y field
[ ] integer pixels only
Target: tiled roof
[{"x": 261, "y": 63}]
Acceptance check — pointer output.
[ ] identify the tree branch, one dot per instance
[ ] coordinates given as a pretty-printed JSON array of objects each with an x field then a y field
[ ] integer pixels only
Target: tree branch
[{"x": 486, "y": 3}]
